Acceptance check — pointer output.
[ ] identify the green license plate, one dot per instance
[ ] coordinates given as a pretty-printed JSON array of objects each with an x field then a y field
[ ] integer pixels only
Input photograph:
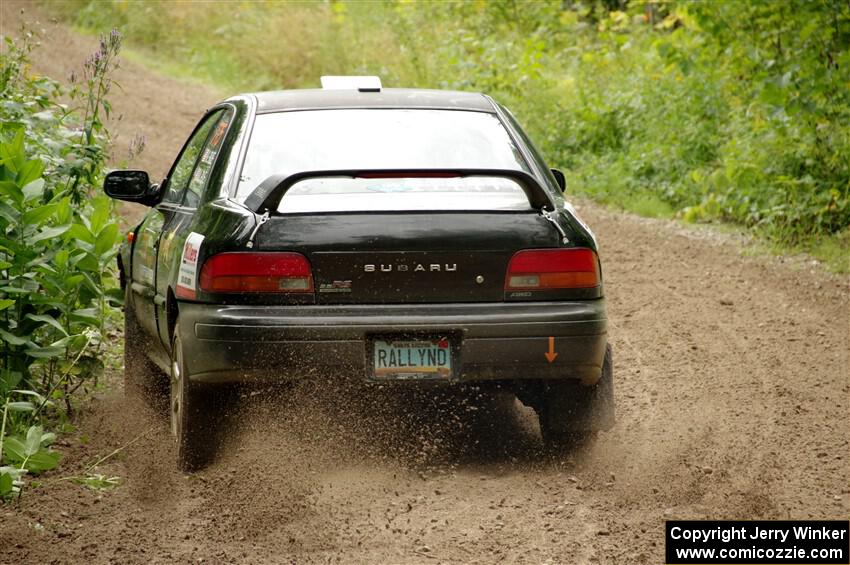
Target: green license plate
[{"x": 406, "y": 359}]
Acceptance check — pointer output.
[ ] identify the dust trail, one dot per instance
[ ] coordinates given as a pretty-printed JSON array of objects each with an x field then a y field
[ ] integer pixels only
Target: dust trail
[{"x": 336, "y": 419}]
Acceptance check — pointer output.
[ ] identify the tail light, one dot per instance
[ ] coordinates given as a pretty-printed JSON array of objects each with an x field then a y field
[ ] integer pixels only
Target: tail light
[
  {"x": 257, "y": 272},
  {"x": 545, "y": 269}
]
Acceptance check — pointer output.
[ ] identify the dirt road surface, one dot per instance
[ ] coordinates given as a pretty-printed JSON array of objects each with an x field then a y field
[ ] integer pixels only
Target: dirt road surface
[{"x": 732, "y": 385}]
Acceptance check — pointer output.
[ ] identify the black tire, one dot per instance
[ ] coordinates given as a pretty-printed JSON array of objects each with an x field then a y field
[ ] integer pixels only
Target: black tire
[
  {"x": 571, "y": 414},
  {"x": 142, "y": 378},
  {"x": 195, "y": 422}
]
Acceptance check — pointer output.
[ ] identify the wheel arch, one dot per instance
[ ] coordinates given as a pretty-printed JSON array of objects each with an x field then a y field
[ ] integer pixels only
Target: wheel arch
[{"x": 172, "y": 310}]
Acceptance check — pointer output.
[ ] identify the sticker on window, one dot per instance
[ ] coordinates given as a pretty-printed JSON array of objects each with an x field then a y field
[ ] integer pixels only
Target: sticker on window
[
  {"x": 219, "y": 133},
  {"x": 199, "y": 178},
  {"x": 208, "y": 156},
  {"x": 187, "y": 277}
]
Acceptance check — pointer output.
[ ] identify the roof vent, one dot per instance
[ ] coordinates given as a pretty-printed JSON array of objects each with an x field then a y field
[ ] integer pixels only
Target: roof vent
[{"x": 360, "y": 83}]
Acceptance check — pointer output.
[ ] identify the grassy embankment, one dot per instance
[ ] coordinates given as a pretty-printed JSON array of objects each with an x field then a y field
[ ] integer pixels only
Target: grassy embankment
[{"x": 710, "y": 112}]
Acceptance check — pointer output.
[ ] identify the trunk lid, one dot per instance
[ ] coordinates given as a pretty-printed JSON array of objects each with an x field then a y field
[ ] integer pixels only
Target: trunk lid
[{"x": 413, "y": 257}]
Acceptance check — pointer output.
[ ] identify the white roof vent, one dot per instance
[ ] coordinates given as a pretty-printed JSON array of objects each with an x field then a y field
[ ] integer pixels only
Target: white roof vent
[{"x": 361, "y": 83}]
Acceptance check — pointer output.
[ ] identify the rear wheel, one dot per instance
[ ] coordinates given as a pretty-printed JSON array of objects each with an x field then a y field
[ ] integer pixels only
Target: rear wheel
[
  {"x": 570, "y": 413},
  {"x": 142, "y": 378},
  {"x": 194, "y": 422}
]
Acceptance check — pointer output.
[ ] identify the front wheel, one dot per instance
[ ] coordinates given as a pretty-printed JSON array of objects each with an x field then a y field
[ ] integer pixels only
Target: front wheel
[
  {"x": 193, "y": 418},
  {"x": 570, "y": 414}
]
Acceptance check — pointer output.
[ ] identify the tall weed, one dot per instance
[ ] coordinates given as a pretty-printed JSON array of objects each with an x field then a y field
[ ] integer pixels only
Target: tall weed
[{"x": 58, "y": 241}]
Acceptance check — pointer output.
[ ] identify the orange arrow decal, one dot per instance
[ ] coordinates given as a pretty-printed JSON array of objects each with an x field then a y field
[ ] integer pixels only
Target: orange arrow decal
[{"x": 551, "y": 355}]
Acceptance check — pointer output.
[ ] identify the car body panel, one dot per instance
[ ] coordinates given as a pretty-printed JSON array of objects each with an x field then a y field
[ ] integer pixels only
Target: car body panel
[{"x": 499, "y": 336}]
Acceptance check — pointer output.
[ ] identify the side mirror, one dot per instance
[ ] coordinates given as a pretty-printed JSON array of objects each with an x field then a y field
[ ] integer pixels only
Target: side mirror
[
  {"x": 560, "y": 178},
  {"x": 131, "y": 186}
]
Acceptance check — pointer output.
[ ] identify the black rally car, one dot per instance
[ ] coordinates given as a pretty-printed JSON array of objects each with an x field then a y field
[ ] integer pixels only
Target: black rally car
[{"x": 408, "y": 236}]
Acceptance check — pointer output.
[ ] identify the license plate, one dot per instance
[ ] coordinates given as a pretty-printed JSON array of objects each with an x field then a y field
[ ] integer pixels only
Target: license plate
[{"x": 411, "y": 359}]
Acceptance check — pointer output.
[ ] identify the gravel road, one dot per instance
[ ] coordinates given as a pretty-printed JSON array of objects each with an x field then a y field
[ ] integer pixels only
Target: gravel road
[{"x": 732, "y": 381}]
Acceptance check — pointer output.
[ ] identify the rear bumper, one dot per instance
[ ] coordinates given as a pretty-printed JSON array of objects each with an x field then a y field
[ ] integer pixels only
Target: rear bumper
[{"x": 497, "y": 341}]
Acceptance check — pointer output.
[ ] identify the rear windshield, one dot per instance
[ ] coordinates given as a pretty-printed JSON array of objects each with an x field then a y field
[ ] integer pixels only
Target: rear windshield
[
  {"x": 315, "y": 140},
  {"x": 346, "y": 194}
]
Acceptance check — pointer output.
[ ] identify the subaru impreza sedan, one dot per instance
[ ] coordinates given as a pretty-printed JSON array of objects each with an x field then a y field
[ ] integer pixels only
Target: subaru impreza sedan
[{"x": 413, "y": 237}]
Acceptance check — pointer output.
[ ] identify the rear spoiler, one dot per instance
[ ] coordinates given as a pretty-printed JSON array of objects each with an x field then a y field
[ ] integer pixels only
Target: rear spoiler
[{"x": 268, "y": 195}]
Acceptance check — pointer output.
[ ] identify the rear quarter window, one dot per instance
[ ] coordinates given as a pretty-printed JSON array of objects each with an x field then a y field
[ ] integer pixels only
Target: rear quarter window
[
  {"x": 183, "y": 169},
  {"x": 206, "y": 160}
]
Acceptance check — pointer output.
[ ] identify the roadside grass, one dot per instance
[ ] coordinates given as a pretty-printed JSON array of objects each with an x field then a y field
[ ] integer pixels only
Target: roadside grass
[
  {"x": 648, "y": 205},
  {"x": 173, "y": 69},
  {"x": 832, "y": 250}
]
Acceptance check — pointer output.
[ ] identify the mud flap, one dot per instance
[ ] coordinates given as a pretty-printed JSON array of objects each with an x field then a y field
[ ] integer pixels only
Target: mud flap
[{"x": 571, "y": 407}]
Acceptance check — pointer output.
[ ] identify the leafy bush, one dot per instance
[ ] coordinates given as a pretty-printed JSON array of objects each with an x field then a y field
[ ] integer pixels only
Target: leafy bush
[{"x": 58, "y": 242}]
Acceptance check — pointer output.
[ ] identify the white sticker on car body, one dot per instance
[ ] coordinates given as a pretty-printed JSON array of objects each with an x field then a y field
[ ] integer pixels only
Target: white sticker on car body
[{"x": 187, "y": 276}]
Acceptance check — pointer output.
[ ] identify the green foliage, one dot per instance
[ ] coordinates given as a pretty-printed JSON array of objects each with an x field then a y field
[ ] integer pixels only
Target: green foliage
[
  {"x": 28, "y": 454},
  {"x": 58, "y": 241},
  {"x": 31, "y": 452},
  {"x": 732, "y": 111}
]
